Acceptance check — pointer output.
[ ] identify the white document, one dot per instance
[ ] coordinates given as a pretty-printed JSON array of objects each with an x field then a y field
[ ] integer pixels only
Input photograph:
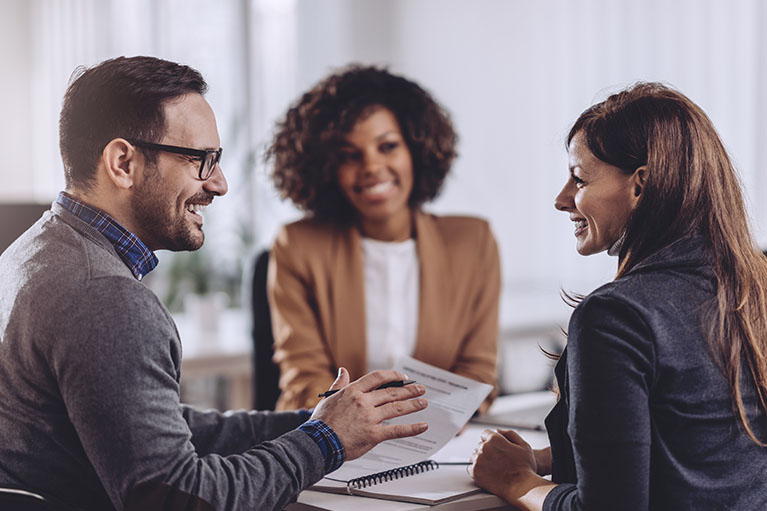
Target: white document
[{"x": 452, "y": 399}]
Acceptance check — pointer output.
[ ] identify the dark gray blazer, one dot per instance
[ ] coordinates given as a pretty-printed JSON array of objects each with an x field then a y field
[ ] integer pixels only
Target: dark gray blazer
[
  {"x": 89, "y": 392},
  {"x": 645, "y": 419}
]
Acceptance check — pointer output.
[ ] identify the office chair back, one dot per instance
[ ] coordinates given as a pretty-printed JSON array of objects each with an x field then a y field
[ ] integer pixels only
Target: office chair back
[
  {"x": 17, "y": 218},
  {"x": 266, "y": 374}
]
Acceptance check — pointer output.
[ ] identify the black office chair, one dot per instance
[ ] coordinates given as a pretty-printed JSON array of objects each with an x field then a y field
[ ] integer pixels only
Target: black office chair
[
  {"x": 12, "y": 499},
  {"x": 17, "y": 217},
  {"x": 266, "y": 374}
]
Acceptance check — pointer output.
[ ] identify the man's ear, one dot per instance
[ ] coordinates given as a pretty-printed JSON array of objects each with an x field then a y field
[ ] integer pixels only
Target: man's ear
[{"x": 121, "y": 160}]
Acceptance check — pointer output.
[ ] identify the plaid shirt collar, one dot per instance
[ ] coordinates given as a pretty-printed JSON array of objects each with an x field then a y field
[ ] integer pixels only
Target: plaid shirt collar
[{"x": 131, "y": 250}]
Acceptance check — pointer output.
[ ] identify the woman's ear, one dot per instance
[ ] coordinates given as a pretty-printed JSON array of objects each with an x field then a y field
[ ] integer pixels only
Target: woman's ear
[
  {"x": 639, "y": 179},
  {"x": 120, "y": 159}
]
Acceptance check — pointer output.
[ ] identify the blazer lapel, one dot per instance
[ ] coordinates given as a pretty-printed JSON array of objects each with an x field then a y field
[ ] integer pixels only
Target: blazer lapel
[
  {"x": 348, "y": 303},
  {"x": 435, "y": 295}
]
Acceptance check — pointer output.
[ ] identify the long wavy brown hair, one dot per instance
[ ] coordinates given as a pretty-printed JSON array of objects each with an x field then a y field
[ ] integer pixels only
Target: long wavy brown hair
[{"x": 690, "y": 188}]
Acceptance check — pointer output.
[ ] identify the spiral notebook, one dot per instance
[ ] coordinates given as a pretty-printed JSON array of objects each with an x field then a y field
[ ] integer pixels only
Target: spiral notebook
[
  {"x": 394, "y": 469},
  {"x": 421, "y": 483}
]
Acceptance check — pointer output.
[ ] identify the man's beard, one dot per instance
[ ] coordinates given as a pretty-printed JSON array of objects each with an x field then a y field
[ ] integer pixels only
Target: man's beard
[{"x": 154, "y": 210}]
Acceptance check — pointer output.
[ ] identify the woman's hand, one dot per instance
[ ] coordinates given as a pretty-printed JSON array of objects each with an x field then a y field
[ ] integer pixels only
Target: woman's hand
[
  {"x": 504, "y": 464},
  {"x": 542, "y": 461}
]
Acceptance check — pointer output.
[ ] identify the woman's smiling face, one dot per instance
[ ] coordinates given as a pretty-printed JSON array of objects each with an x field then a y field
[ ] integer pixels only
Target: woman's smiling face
[
  {"x": 598, "y": 196},
  {"x": 376, "y": 171}
]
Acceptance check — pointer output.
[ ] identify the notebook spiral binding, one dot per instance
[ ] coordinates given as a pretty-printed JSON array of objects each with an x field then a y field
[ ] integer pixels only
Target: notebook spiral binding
[{"x": 390, "y": 475}]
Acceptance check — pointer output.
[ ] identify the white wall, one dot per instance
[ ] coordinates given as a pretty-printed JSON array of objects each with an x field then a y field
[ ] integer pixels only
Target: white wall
[
  {"x": 516, "y": 74},
  {"x": 16, "y": 141},
  {"x": 513, "y": 73}
]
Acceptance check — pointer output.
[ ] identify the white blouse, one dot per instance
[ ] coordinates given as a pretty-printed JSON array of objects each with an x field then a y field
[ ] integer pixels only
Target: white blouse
[{"x": 391, "y": 300}]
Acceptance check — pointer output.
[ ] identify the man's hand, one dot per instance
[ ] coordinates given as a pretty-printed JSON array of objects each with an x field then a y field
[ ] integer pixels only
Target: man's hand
[{"x": 356, "y": 411}]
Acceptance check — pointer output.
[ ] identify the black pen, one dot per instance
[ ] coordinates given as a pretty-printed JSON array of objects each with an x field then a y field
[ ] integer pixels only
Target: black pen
[{"x": 398, "y": 383}]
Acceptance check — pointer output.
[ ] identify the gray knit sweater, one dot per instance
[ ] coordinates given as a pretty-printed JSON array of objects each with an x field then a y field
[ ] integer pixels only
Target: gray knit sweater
[{"x": 89, "y": 392}]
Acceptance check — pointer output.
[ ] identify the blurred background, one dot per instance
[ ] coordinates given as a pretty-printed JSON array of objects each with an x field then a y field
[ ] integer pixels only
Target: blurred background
[{"x": 514, "y": 74}]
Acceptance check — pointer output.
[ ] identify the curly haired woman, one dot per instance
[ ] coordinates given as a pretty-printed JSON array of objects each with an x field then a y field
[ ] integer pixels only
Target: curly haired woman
[{"x": 367, "y": 276}]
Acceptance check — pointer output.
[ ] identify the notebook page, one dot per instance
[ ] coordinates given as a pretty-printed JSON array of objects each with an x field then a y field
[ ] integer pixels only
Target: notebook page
[
  {"x": 447, "y": 482},
  {"x": 452, "y": 401}
]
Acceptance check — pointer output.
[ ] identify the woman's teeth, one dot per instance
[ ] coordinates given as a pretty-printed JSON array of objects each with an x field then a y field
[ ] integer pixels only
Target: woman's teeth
[{"x": 378, "y": 188}]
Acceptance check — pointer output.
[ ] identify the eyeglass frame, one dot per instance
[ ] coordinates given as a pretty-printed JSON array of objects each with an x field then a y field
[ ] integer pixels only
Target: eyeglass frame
[{"x": 187, "y": 151}]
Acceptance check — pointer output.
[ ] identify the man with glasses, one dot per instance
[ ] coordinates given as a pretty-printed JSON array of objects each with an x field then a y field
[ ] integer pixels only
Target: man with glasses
[{"x": 90, "y": 359}]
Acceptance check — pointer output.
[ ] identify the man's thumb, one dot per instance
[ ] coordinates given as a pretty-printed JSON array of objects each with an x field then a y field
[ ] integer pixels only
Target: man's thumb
[{"x": 342, "y": 379}]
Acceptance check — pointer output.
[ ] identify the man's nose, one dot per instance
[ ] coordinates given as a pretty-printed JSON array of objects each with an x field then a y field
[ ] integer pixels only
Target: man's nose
[{"x": 216, "y": 183}]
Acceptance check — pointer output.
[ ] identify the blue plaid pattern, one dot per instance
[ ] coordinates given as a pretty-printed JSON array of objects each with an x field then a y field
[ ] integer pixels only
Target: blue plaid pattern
[
  {"x": 330, "y": 445},
  {"x": 131, "y": 250}
]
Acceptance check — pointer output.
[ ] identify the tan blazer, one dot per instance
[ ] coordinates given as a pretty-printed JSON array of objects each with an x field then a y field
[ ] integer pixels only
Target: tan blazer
[{"x": 317, "y": 297}]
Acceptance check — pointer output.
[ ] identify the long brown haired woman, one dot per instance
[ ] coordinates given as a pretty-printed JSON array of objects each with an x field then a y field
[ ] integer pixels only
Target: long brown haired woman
[{"x": 663, "y": 383}]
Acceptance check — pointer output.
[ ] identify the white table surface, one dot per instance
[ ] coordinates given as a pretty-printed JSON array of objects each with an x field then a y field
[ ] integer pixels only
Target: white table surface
[{"x": 459, "y": 449}]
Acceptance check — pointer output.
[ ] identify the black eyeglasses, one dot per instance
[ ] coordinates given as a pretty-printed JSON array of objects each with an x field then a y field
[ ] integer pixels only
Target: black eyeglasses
[{"x": 209, "y": 158}]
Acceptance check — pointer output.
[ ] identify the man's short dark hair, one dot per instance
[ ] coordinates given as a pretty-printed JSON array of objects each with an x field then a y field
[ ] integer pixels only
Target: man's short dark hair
[{"x": 121, "y": 97}]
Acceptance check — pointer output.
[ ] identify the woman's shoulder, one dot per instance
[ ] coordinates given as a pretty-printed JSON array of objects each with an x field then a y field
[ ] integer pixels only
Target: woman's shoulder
[
  {"x": 621, "y": 293},
  {"x": 638, "y": 290},
  {"x": 307, "y": 230},
  {"x": 656, "y": 297},
  {"x": 457, "y": 228},
  {"x": 462, "y": 241},
  {"x": 307, "y": 242},
  {"x": 663, "y": 280},
  {"x": 457, "y": 221}
]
